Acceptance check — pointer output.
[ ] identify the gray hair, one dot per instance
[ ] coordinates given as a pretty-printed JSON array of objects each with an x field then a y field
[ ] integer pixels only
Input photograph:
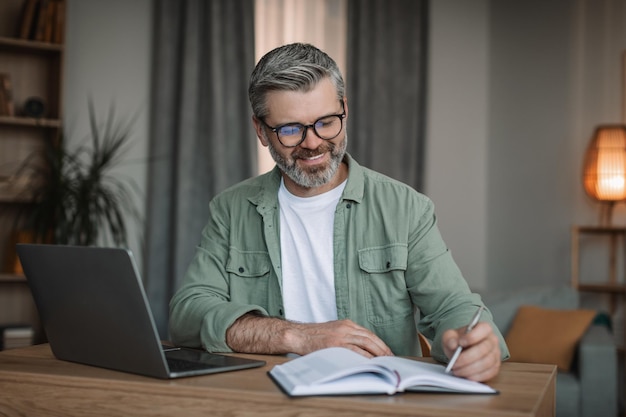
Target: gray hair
[{"x": 292, "y": 67}]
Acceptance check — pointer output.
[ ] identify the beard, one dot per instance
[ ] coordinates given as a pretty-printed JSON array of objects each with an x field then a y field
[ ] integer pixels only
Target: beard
[{"x": 311, "y": 177}]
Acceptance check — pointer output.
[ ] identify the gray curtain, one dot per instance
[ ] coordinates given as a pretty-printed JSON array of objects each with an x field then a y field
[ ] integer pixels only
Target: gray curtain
[
  {"x": 386, "y": 86},
  {"x": 201, "y": 134}
]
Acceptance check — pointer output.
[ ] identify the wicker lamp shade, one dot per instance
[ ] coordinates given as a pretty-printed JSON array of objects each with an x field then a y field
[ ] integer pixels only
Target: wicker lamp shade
[{"x": 604, "y": 175}]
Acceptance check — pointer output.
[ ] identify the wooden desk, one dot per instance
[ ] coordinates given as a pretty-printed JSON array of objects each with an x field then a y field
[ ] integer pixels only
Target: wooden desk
[{"x": 33, "y": 382}]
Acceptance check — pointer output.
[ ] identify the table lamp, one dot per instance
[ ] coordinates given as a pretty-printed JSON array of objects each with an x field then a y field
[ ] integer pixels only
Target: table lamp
[{"x": 604, "y": 173}]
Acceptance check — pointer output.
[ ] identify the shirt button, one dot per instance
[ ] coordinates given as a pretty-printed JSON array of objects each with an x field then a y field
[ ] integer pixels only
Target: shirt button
[
  {"x": 280, "y": 311},
  {"x": 348, "y": 205},
  {"x": 388, "y": 264},
  {"x": 241, "y": 269}
]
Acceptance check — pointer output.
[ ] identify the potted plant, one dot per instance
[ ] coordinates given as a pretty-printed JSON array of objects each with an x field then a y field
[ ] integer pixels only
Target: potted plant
[{"x": 76, "y": 198}]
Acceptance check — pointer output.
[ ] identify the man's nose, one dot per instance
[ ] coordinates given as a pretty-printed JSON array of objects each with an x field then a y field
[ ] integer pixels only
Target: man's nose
[{"x": 311, "y": 140}]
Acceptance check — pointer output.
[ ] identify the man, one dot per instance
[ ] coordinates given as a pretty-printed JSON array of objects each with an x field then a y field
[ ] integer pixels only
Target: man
[{"x": 320, "y": 251}]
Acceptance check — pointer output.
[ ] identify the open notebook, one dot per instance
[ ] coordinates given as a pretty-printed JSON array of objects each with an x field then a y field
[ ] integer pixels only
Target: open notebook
[{"x": 94, "y": 311}]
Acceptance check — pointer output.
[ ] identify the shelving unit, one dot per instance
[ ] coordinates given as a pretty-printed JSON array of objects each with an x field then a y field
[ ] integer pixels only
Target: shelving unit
[
  {"x": 613, "y": 285},
  {"x": 35, "y": 69}
]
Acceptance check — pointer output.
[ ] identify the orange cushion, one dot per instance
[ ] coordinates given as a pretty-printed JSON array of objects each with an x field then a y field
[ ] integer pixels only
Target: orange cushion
[{"x": 540, "y": 335}]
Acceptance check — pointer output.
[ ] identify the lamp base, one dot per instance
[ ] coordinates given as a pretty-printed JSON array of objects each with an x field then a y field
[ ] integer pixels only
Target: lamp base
[{"x": 606, "y": 213}]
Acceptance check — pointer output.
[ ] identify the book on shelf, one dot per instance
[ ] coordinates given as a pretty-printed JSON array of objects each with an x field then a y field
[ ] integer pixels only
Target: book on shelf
[
  {"x": 50, "y": 19},
  {"x": 340, "y": 371},
  {"x": 58, "y": 35},
  {"x": 43, "y": 20},
  {"x": 7, "y": 107},
  {"x": 39, "y": 29},
  {"x": 16, "y": 336},
  {"x": 29, "y": 11},
  {"x": 4, "y": 108}
]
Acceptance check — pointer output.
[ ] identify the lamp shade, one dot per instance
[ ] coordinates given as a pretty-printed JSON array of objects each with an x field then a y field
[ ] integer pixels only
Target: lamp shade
[{"x": 604, "y": 175}]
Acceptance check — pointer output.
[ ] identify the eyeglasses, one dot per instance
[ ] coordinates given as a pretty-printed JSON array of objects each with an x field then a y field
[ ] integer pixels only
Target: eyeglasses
[{"x": 291, "y": 135}]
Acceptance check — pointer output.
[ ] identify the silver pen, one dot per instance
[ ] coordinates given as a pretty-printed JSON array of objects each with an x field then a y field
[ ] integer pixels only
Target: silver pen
[{"x": 469, "y": 328}]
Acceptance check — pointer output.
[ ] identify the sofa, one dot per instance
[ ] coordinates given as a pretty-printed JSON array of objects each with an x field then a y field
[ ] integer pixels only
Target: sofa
[{"x": 590, "y": 387}]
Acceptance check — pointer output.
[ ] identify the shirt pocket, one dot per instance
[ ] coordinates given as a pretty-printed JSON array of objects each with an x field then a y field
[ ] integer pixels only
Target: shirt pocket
[
  {"x": 383, "y": 269},
  {"x": 248, "y": 273}
]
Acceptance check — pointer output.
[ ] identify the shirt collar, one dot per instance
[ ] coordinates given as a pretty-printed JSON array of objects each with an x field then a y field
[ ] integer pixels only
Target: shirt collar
[{"x": 356, "y": 183}]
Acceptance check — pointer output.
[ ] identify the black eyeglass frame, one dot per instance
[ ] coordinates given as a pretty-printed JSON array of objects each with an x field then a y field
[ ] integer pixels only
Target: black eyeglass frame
[{"x": 275, "y": 129}]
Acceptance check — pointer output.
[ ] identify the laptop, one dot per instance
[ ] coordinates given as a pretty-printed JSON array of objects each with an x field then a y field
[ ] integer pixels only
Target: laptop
[{"x": 94, "y": 311}]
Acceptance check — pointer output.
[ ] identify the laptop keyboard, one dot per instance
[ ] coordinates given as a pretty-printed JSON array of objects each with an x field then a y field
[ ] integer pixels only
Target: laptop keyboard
[
  {"x": 181, "y": 365},
  {"x": 186, "y": 361}
]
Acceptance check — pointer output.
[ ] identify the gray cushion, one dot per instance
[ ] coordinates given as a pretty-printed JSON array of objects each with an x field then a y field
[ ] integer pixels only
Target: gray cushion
[{"x": 567, "y": 395}]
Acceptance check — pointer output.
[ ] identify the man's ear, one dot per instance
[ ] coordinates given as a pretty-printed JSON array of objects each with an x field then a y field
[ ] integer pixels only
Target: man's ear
[{"x": 259, "y": 128}]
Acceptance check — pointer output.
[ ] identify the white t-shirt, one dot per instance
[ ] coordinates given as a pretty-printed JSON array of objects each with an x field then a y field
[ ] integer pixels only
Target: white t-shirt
[{"x": 306, "y": 241}]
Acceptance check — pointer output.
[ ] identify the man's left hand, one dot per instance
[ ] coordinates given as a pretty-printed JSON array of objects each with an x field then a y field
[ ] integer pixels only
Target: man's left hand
[{"x": 481, "y": 357}]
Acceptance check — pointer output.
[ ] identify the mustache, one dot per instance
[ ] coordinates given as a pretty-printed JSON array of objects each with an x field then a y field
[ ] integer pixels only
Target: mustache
[{"x": 310, "y": 153}]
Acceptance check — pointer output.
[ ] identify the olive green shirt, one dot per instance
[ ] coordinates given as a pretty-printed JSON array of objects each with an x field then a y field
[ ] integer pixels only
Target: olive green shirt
[{"x": 391, "y": 265}]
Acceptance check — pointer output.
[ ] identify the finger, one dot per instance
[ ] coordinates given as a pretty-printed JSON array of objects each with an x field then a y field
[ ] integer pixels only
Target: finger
[
  {"x": 482, "y": 375},
  {"x": 377, "y": 348},
  {"x": 478, "y": 334},
  {"x": 371, "y": 343},
  {"x": 480, "y": 370},
  {"x": 450, "y": 341},
  {"x": 360, "y": 351},
  {"x": 368, "y": 341},
  {"x": 479, "y": 361}
]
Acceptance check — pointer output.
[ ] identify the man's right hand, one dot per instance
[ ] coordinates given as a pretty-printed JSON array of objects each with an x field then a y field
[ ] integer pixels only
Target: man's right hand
[{"x": 256, "y": 334}]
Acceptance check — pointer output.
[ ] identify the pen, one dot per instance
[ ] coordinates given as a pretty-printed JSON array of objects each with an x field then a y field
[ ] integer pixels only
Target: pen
[{"x": 469, "y": 328}]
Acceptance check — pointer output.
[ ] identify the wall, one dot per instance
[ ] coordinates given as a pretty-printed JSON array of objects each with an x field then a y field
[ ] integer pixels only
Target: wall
[
  {"x": 533, "y": 169},
  {"x": 516, "y": 90},
  {"x": 457, "y": 121},
  {"x": 516, "y": 87}
]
